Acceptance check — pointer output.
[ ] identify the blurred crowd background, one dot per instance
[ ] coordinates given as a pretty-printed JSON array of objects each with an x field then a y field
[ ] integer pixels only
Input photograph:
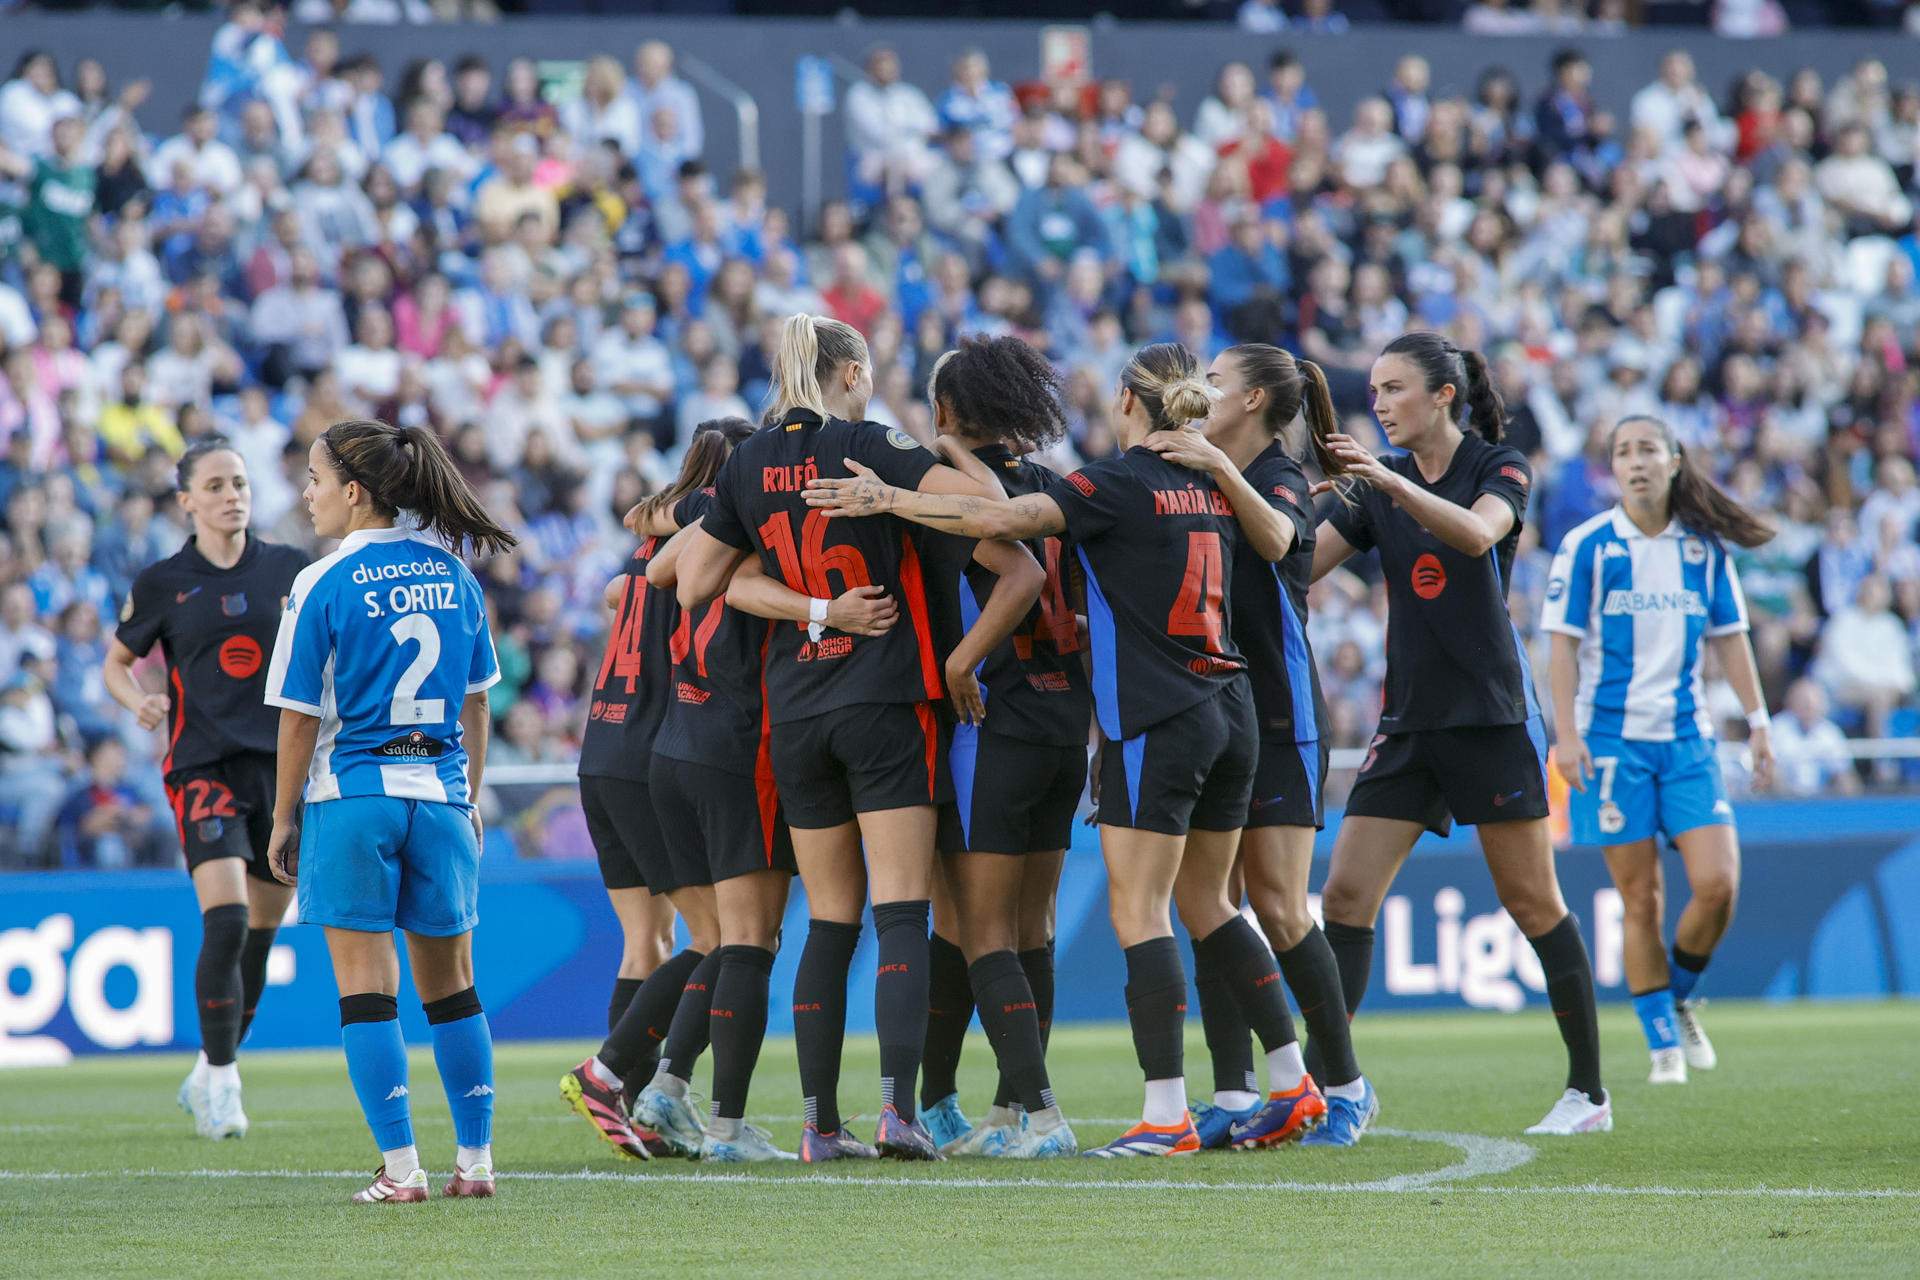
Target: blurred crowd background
[{"x": 559, "y": 275}]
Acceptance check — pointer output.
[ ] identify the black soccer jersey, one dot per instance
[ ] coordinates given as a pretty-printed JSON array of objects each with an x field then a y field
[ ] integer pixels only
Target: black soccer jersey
[
  {"x": 1035, "y": 682},
  {"x": 1157, "y": 542},
  {"x": 630, "y": 687},
  {"x": 758, "y": 505},
  {"x": 216, "y": 627},
  {"x": 715, "y": 712},
  {"x": 1453, "y": 656},
  {"x": 1270, "y": 609}
]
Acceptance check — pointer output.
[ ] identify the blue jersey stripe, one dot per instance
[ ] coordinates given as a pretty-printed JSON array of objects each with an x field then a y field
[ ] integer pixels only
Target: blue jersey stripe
[
  {"x": 1133, "y": 758},
  {"x": 1693, "y": 577},
  {"x": 1106, "y": 684},
  {"x": 963, "y": 756},
  {"x": 1293, "y": 644}
]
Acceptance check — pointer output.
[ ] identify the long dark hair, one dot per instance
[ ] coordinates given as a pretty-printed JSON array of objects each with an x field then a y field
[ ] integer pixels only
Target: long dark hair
[
  {"x": 1000, "y": 388},
  {"x": 1695, "y": 500},
  {"x": 1293, "y": 386},
  {"x": 1166, "y": 378},
  {"x": 1443, "y": 364},
  {"x": 712, "y": 443},
  {"x": 408, "y": 469}
]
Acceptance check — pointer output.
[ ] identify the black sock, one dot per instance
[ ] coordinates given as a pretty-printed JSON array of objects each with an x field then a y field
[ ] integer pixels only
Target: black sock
[
  {"x": 1563, "y": 959},
  {"x": 949, "y": 1010},
  {"x": 900, "y": 998},
  {"x": 217, "y": 988},
  {"x": 253, "y": 973},
  {"x": 1352, "y": 946},
  {"x": 1314, "y": 978},
  {"x": 820, "y": 1017},
  {"x": 1037, "y": 964},
  {"x": 624, "y": 990},
  {"x": 687, "y": 1033},
  {"x": 1010, "y": 1017},
  {"x": 1157, "y": 1007},
  {"x": 637, "y": 1036},
  {"x": 738, "y": 1019},
  {"x": 1253, "y": 979},
  {"x": 1229, "y": 1038}
]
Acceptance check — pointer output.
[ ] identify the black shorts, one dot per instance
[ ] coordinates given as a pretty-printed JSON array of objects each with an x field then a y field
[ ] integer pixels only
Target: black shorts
[
  {"x": 626, "y": 834},
  {"x": 1193, "y": 769},
  {"x": 1471, "y": 775},
  {"x": 1289, "y": 785},
  {"x": 1010, "y": 796},
  {"x": 860, "y": 759},
  {"x": 718, "y": 825},
  {"x": 225, "y": 810}
]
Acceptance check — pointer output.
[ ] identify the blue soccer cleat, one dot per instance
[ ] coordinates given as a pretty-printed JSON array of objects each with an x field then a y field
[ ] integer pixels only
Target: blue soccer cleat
[
  {"x": 1215, "y": 1124},
  {"x": 1151, "y": 1140},
  {"x": 1346, "y": 1120},
  {"x": 946, "y": 1122},
  {"x": 1286, "y": 1117}
]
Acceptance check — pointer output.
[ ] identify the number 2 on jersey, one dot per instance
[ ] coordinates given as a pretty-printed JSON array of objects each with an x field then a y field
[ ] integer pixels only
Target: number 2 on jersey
[
  {"x": 408, "y": 707},
  {"x": 1197, "y": 610}
]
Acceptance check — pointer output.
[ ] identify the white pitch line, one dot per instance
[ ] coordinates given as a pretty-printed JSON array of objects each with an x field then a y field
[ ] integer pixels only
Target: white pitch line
[{"x": 984, "y": 1184}]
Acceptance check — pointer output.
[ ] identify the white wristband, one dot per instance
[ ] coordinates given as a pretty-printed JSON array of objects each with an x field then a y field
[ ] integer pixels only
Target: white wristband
[
  {"x": 816, "y": 618},
  {"x": 1759, "y": 719}
]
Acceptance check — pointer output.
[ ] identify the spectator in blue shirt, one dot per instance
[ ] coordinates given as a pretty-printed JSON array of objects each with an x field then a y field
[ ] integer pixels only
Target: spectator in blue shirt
[
  {"x": 1052, "y": 224},
  {"x": 1248, "y": 266},
  {"x": 66, "y": 576},
  {"x": 104, "y": 823},
  {"x": 977, "y": 102}
]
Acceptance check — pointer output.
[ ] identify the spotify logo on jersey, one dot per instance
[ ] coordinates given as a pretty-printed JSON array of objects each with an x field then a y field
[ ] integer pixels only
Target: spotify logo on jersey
[
  {"x": 1429, "y": 576},
  {"x": 240, "y": 657}
]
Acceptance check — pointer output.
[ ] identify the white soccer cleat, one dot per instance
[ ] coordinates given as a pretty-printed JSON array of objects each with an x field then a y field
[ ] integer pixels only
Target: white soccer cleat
[
  {"x": 193, "y": 1098},
  {"x": 1693, "y": 1036},
  {"x": 1669, "y": 1067},
  {"x": 1576, "y": 1113},
  {"x": 988, "y": 1140},
  {"x": 224, "y": 1118}
]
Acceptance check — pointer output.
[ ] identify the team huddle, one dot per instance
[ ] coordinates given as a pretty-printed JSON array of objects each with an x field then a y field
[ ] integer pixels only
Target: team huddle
[{"x": 841, "y": 654}]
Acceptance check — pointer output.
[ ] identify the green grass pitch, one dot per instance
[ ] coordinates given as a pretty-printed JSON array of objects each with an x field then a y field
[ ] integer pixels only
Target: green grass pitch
[{"x": 1800, "y": 1155}]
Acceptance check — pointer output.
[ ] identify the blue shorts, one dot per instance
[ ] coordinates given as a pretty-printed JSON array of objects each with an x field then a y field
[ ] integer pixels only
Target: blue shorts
[
  {"x": 374, "y": 863},
  {"x": 1643, "y": 789}
]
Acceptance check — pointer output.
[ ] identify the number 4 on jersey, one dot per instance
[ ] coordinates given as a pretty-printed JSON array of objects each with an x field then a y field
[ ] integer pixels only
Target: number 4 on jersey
[{"x": 1197, "y": 609}]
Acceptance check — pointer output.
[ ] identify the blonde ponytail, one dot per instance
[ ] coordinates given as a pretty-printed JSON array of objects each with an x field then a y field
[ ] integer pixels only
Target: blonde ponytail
[{"x": 811, "y": 348}]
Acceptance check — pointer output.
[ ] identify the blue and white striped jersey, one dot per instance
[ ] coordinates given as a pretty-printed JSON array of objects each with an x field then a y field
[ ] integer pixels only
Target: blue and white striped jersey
[
  {"x": 382, "y": 641},
  {"x": 1641, "y": 606}
]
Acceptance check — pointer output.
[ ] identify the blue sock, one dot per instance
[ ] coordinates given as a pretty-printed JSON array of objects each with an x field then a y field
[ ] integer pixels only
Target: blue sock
[
  {"x": 1684, "y": 972},
  {"x": 377, "y": 1065},
  {"x": 1656, "y": 1019},
  {"x": 463, "y": 1050}
]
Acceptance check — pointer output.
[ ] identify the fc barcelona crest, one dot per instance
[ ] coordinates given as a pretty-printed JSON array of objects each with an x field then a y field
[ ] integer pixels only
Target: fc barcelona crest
[{"x": 235, "y": 605}]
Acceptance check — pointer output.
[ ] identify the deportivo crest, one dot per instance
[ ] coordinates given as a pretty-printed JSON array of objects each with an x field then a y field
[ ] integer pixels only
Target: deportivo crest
[
  {"x": 900, "y": 439},
  {"x": 1612, "y": 821},
  {"x": 234, "y": 605},
  {"x": 1693, "y": 551}
]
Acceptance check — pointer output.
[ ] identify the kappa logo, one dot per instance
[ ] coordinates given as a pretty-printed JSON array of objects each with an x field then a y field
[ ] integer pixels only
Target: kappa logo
[
  {"x": 479, "y": 1091},
  {"x": 1614, "y": 550},
  {"x": 399, "y": 1091}
]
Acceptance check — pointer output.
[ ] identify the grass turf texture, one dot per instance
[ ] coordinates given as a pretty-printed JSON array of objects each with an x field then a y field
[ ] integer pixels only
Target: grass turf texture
[{"x": 1761, "y": 1167}]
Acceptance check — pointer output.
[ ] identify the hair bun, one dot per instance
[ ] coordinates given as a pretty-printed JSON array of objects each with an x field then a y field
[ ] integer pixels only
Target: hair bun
[{"x": 1185, "y": 400}]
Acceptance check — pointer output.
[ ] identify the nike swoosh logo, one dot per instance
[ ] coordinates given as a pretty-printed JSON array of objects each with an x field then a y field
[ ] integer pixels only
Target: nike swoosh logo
[
  {"x": 181, "y": 597},
  {"x": 1500, "y": 801},
  {"x": 1268, "y": 803}
]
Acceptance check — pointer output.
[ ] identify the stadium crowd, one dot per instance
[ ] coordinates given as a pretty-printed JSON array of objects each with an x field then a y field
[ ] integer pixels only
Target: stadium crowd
[{"x": 563, "y": 279}]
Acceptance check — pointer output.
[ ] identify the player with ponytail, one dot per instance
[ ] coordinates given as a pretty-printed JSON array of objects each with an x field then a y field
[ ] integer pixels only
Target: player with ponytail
[
  {"x": 1635, "y": 737},
  {"x": 1461, "y": 735}
]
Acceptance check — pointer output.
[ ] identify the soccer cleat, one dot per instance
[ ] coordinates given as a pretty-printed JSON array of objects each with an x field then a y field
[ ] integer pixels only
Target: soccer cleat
[
  {"x": 1576, "y": 1113},
  {"x": 600, "y": 1106},
  {"x": 818, "y": 1148},
  {"x": 946, "y": 1123},
  {"x": 1693, "y": 1036},
  {"x": 1346, "y": 1120},
  {"x": 901, "y": 1139},
  {"x": 1285, "y": 1117},
  {"x": 752, "y": 1146},
  {"x": 471, "y": 1184},
  {"x": 1669, "y": 1067},
  {"x": 1028, "y": 1143},
  {"x": 193, "y": 1099},
  {"x": 984, "y": 1140},
  {"x": 223, "y": 1116},
  {"x": 1145, "y": 1139},
  {"x": 1214, "y": 1123},
  {"x": 674, "y": 1119},
  {"x": 384, "y": 1190}
]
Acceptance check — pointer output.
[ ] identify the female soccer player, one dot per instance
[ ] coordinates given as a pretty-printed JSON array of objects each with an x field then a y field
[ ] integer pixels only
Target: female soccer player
[
  {"x": 1633, "y": 595},
  {"x": 1460, "y": 736},
  {"x": 214, "y": 606},
  {"x": 856, "y": 743},
  {"x": 1157, "y": 544},
  {"x": 1262, "y": 390},
  {"x": 381, "y": 673},
  {"x": 1019, "y": 763}
]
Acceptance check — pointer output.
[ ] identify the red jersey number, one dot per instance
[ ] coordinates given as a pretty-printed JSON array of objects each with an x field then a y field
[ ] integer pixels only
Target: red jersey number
[
  {"x": 805, "y": 567},
  {"x": 1198, "y": 609},
  {"x": 1056, "y": 626}
]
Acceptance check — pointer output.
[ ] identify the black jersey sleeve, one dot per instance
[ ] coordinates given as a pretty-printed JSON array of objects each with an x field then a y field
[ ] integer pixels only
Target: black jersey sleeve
[
  {"x": 1281, "y": 483},
  {"x": 1093, "y": 499},
  {"x": 142, "y": 616},
  {"x": 896, "y": 457},
  {"x": 1353, "y": 518},
  {"x": 723, "y": 508},
  {"x": 693, "y": 506},
  {"x": 1505, "y": 474}
]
